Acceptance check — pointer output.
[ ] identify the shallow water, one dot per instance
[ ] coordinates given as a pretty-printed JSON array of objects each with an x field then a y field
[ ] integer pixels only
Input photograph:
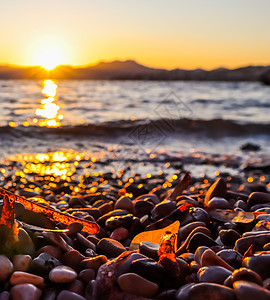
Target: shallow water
[{"x": 135, "y": 119}]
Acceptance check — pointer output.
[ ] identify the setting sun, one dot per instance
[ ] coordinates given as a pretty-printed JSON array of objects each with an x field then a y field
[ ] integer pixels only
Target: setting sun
[{"x": 49, "y": 58}]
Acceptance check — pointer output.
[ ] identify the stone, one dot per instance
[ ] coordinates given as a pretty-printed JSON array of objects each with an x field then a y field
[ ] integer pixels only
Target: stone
[
  {"x": 6, "y": 268},
  {"x": 87, "y": 275},
  {"x": 21, "y": 262},
  {"x": 142, "y": 207},
  {"x": 24, "y": 244},
  {"x": 245, "y": 290},
  {"x": 19, "y": 277},
  {"x": 229, "y": 237},
  {"x": 217, "y": 189},
  {"x": 259, "y": 264},
  {"x": 68, "y": 295},
  {"x": 246, "y": 275},
  {"x": 213, "y": 274},
  {"x": 94, "y": 262},
  {"x": 109, "y": 247},
  {"x": 200, "y": 239},
  {"x": 220, "y": 203},
  {"x": 149, "y": 249},
  {"x": 125, "y": 203},
  {"x": 72, "y": 259},
  {"x": 25, "y": 291},
  {"x": 137, "y": 285},
  {"x": 119, "y": 234},
  {"x": 74, "y": 228},
  {"x": 213, "y": 291},
  {"x": 210, "y": 258},
  {"x": 44, "y": 263},
  {"x": 163, "y": 209},
  {"x": 62, "y": 274},
  {"x": 231, "y": 257},
  {"x": 148, "y": 269},
  {"x": 52, "y": 250},
  {"x": 258, "y": 198},
  {"x": 182, "y": 292}
]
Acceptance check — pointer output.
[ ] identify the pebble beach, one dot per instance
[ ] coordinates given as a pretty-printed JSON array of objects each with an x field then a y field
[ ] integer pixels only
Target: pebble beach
[{"x": 134, "y": 200}]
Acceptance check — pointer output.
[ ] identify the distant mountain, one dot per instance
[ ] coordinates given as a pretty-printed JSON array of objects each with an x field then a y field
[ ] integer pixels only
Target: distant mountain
[{"x": 130, "y": 69}]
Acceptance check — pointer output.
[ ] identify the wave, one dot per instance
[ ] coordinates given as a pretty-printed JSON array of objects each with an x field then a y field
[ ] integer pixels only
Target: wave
[{"x": 215, "y": 128}]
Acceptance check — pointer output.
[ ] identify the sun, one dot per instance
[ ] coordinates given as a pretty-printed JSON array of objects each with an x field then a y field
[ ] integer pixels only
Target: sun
[{"x": 49, "y": 58}]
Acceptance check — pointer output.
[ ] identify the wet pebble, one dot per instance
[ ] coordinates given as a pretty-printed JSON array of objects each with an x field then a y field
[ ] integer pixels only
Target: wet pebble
[
  {"x": 213, "y": 274},
  {"x": 134, "y": 284},
  {"x": 19, "y": 277},
  {"x": 6, "y": 267},
  {"x": 245, "y": 290},
  {"x": 109, "y": 247},
  {"x": 25, "y": 291},
  {"x": 62, "y": 274},
  {"x": 68, "y": 295}
]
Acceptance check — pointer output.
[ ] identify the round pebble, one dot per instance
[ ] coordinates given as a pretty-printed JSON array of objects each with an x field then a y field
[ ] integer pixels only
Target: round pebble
[
  {"x": 19, "y": 277},
  {"x": 6, "y": 267},
  {"x": 62, "y": 274}
]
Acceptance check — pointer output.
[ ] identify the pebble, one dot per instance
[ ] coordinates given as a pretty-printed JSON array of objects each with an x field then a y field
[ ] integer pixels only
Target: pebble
[
  {"x": 213, "y": 274},
  {"x": 137, "y": 285},
  {"x": 213, "y": 291},
  {"x": 109, "y": 247},
  {"x": 259, "y": 264},
  {"x": 125, "y": 203},
  {"x": 94, "y": 262},
  {"x": 245, "y": 290},
  {"x": 19, "y": 277},
  {"x": 68, "y": 295},
  {"x": 6, "y": 268},
  {"x": 44, "y": 263},
  {"x": 119, "y": 234},
  {"x": 62, "y": 274},
  {"x": 25, "y": 291},
  {"x": 217, "y": 189}
]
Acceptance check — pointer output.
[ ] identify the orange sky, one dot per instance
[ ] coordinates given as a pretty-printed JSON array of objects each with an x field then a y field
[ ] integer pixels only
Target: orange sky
[{"x": 184, "y": 34}]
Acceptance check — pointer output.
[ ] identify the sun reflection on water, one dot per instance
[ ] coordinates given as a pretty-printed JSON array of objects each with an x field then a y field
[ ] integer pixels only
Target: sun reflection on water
[{"x": 49, "y": 109}]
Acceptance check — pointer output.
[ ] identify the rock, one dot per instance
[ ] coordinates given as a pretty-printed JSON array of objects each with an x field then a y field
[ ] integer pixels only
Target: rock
[
  {"x": 217, "y": 189},
  {"x": 62, "y": 274},
  {"x": 6, "y": 268},
  {"x": 229, "y": 236},
  {"x": 213, "y": 274},
  {"x": 163, "y": 209},
  {"x": 142, "y": 207},
  {"x": 249, "y": 291},
  {"x": 44, "y": 263},
  {"x": 56, "y": 239},
  {"x": 182, "y": 292},
  {"x": 74, "y": 228},
  {"x": 217, "y": 202},
  {"x": 24, "y": 244},
  {"x": 259, "y": 264},
  {"x": 148, "y": 269},
  {"x": 52, "y": 250},
  {"x": 200, "y": 239},
  {"x": 231, "y": 257},
  {"x": 149, "y": 249},
  {"x": 67, "y": 295},
  {"x": 21, "y": 262},
  {"x": 245, "y": 274},
  {"x": 250, "y": 147},
  {"x": 19, "y": 277},
  {"x": 94, "y": 262},
  {"x": 119, "y": 234},
  {"x": 117, "y": 212},
  {"x": 87, "y": 275},
  {"x": 124, "y": 267},
  {"x": 72, "y": 259},
  {"x": 184, "y": 231},
  {"x": 258, "y": 198},
  {"x": 109, "y": 247},
  {"x": 135, "y": 284},
  {"x": 25, "y": 291},
  {"x": 210, "y": 258},
  {"x": 257, "y": 241},
  {"x": 76, "y": 286},
  {"x": 213, "y": 291},
  {"x": 4, "y": 295},
  {"x": 125, "y": 203}
]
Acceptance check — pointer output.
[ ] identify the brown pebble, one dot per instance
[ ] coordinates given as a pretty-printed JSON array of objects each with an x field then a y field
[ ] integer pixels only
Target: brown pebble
[
  {"x": 245, "y": 290},
  {"x": 52, "y": 250},
  {"x": 94, "y": 262},
  {"x": 125, "y": 203},
  {"x": 62, "y": 274},
  {"x": 119, "y": 234},
  {"x": 6, "y": 267},
  {"x": 25, "y": 291},
  {"x": 21, "y": 262},
  {"x": 19, "y": 277},
  {"x": 135, "y": 284},
  {"x": 67, "y": 295}
]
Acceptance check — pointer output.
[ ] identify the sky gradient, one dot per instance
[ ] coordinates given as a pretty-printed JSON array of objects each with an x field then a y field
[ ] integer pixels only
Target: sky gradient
[{"x": 167, "y": 34}]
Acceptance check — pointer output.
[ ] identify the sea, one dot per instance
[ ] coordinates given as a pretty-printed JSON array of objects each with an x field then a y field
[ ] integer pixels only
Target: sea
[{"x": 142, "y": 127}]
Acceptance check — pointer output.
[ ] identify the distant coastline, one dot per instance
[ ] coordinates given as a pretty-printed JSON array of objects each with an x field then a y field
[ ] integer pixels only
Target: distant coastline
[{"x": 131, "y": 70}]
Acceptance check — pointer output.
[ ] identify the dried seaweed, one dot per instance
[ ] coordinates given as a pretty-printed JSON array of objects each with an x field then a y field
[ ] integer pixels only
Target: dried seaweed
[{"x": 53, "y": 215}]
